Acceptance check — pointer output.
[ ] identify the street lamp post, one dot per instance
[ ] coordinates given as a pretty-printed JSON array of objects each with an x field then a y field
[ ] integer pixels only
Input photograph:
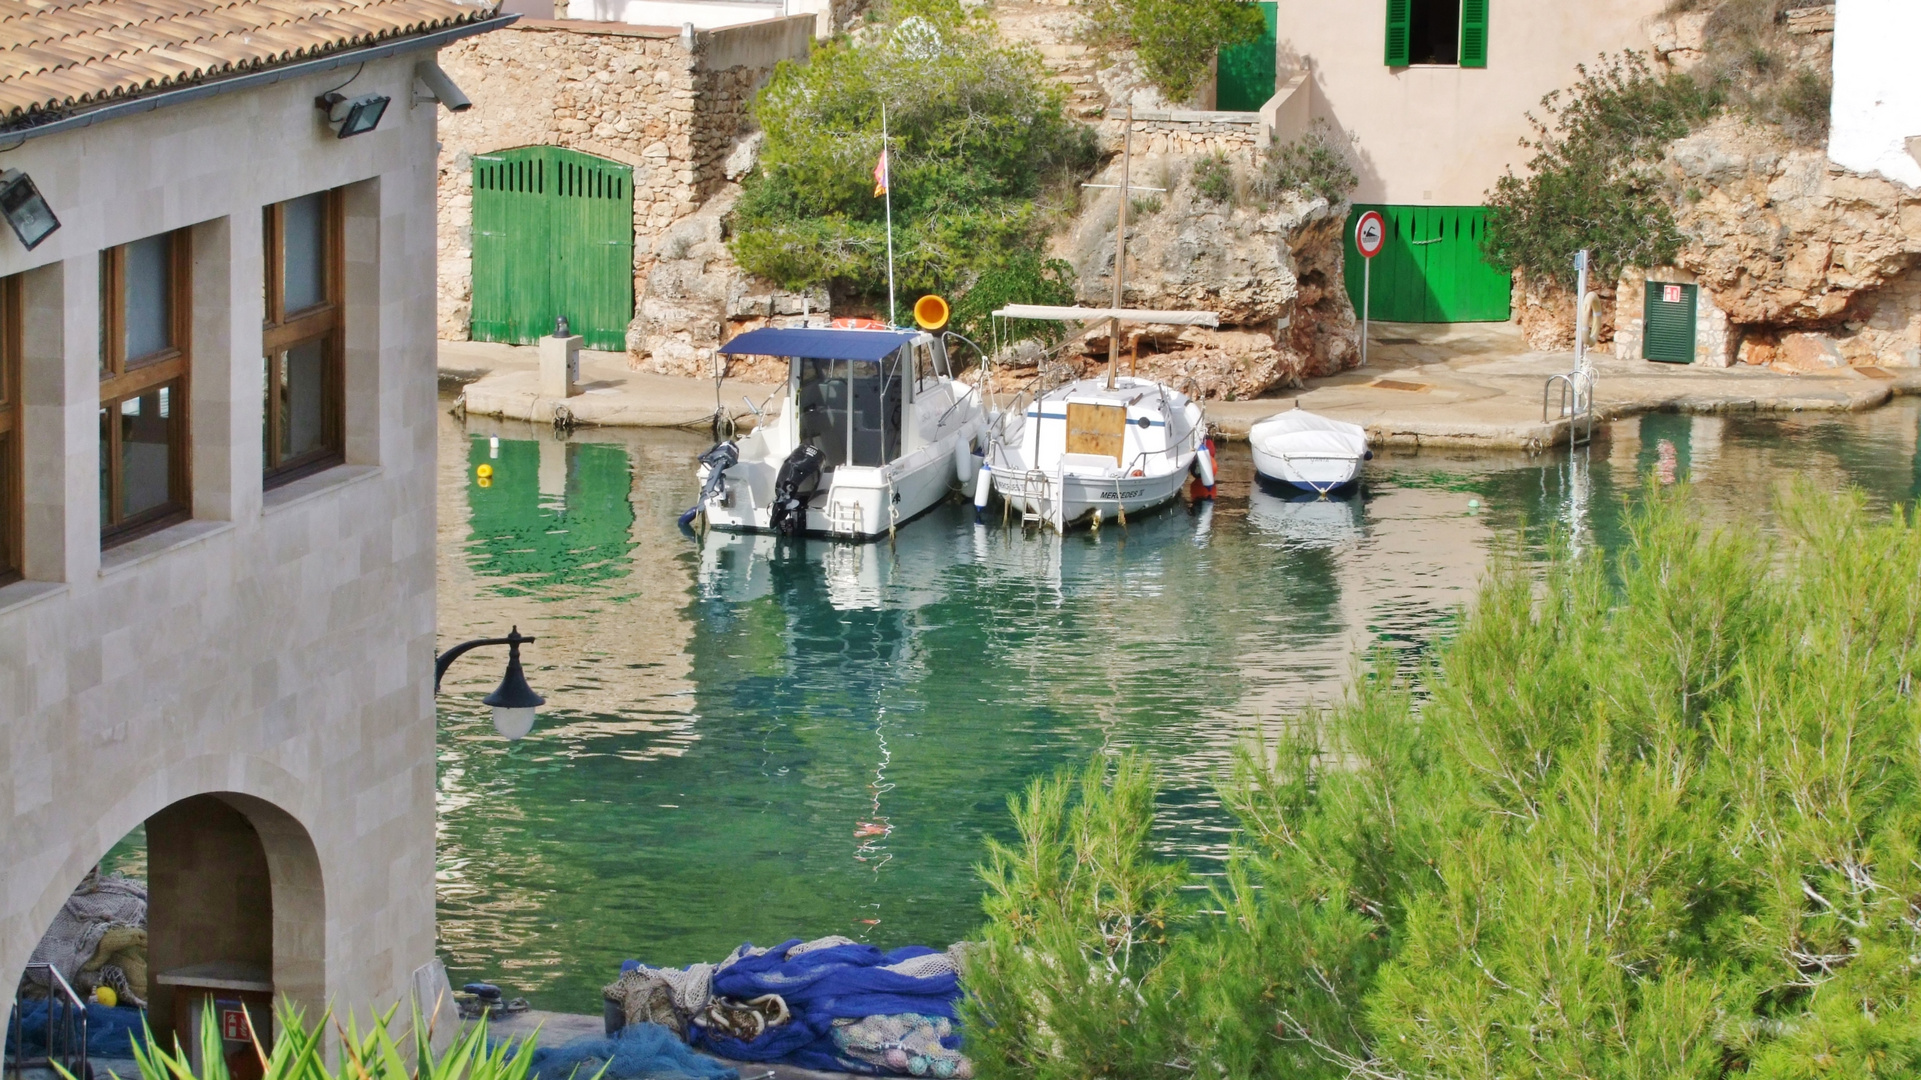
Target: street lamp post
[{"x": 513, "y": 700}]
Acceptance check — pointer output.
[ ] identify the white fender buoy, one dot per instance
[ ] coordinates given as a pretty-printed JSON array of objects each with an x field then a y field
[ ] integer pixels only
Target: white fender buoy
[
  {"x": 963, "y": 460},
  {"x": 1205, "y": 459},
  {"x": 983, "y": 487}
]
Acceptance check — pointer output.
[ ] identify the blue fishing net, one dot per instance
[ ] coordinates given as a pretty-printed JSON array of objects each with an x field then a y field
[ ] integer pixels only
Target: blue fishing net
[
  {"x": 111, "y": 1032},
  {"x": 638, "y": 1052},
  {"x": 819, "y": 987}
]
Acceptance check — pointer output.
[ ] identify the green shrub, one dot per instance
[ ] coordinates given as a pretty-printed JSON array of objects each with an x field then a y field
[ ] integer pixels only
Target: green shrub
[
  {"x": 1175, "y": 40},
  {"x": 979, "y": 145},
  {"x": 1592, "y": 182},
  {"x": 1214, "y": 177},
  {"x": 1317, "y": 163},
  {"x": 1653, "y": 818},
  {"x": 1024, "y": 278}
]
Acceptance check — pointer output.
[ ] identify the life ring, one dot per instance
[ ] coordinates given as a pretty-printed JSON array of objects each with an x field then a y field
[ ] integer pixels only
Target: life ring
[{"x": 858, "y": 324}]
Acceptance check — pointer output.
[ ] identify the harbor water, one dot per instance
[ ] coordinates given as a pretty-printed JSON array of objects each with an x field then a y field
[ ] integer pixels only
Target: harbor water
[{"x": 752, "y": 741}]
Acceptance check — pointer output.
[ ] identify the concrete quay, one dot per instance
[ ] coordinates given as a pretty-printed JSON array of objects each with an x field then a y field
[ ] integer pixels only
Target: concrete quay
[{"x": 1462, "y": 385}]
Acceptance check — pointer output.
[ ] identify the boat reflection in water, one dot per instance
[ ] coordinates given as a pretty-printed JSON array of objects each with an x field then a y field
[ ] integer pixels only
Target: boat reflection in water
[{"x": 1304, "y": 519}]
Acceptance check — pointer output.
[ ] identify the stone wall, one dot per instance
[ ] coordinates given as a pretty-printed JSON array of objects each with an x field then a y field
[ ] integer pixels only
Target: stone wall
[
  {"x": 1715, "y": 338},
  {"x": 668, "y": 105},
  {"x": 1189, "y": 132}
]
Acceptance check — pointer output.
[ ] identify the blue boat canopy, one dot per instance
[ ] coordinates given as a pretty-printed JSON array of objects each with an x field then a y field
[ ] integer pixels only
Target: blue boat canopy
[{"x": 815, "y": 344}]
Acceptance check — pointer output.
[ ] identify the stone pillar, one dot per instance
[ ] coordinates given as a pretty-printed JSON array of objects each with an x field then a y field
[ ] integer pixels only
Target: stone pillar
[{"x": 560, "y": 366}]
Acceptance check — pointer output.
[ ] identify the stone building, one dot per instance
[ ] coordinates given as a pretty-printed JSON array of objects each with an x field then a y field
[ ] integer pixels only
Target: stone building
[
  {"x": 216, "y": 583},
  {"x": 655, "y": 113}
]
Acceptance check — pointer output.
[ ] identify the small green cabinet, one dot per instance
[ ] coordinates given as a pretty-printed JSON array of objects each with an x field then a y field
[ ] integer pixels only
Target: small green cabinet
[
  {"x": 553, "y": 235},
  {"x": 1668, "y": 323}
]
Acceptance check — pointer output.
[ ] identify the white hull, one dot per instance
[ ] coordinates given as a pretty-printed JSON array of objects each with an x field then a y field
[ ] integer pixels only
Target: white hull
[
  {"x": 1307, "y": 451},
  {"x": 1084, "y": 453},
  {"x": 854, "y": 503}
]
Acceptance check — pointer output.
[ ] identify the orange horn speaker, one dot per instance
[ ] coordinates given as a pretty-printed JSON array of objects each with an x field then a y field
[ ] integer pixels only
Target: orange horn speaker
[{"x": 931, "y": 312}]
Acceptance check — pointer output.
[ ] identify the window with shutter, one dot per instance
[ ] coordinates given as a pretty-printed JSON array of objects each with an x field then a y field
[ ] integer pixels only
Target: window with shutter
[
  {"x": 1399, "y": 17},
  {"x": 1474, "y": 33}
]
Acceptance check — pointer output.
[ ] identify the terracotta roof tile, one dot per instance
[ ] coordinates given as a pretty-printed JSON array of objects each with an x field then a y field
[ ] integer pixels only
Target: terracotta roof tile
[{"x": 57, "y": 55}]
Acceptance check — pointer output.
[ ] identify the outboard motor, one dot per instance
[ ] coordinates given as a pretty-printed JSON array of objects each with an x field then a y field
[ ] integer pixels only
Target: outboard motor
[
  {"x": 718, "y": 460},
  {"x": 798, "y": 479}
]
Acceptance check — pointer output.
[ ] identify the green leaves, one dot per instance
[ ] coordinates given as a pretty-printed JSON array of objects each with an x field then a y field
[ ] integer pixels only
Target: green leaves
[
  {"x": 1654, "y": 819},
  {"x": 1175, "y": 40},
  {"x": 977, "y": 139}
]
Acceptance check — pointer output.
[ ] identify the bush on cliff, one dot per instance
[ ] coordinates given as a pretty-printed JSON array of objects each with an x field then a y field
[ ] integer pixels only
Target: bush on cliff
[
  {"x": 1659, "y": 818},
  {"x": 1175, "y": 41},
  {"x": 981, "y": 149},
  {"x": 1592, "y": 182}
]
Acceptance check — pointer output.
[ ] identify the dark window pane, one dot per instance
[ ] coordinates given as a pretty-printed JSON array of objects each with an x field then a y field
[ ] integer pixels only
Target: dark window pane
[
  {"x": 146, "y": 451},
  {"x": 303, "y": 423},
  {"x": 270, "y": 378},
  {"x": 9, "y": 508},
  {"x": 149, "y": 296},
  {"x": 106, "y": 468},
  {"x": 304, "y": 235}
]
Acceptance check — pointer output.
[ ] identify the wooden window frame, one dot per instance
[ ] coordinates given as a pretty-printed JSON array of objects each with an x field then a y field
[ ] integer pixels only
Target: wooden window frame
[
  {"x": 282, "y": 330},
  {"x": 12, "y": 472},
  {"x": 123, "y": 378}
]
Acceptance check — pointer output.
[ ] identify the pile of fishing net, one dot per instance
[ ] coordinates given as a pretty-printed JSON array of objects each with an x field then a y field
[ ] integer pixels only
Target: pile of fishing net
[
  {"x": 112, "y": 1032},
  {"x": 99, "y": 938},
  {"x": 636, "y": 1051},
  {"x": 830, "y": 1004}
]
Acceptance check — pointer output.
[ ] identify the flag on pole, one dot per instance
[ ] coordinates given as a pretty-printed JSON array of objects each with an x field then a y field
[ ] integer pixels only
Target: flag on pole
[{"x": 880, "y": 175}]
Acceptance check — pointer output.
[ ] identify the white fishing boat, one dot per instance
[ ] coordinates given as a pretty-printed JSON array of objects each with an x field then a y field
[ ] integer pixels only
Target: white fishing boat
[
  {"x": 871, "y": 431},
  {"x": 1308, "y": 451},
  {"x": 1104, "y": 448}
]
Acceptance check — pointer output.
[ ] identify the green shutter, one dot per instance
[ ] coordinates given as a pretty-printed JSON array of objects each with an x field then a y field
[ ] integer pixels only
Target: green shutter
[
  {"x": 1667, "y": 326},
  {"x": 1246, "y": 75},
  {"x": 1400, "y": 19},
  {"x": 1474, "y": 33},
  {"x": 1431, "y": 269}
]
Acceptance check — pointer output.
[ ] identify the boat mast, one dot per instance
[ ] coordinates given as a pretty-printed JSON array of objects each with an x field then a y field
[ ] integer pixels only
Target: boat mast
[{"x": 1120, "y": 247}]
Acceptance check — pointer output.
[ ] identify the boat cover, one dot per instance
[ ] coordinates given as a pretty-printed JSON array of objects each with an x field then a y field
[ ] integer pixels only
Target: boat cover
[
  {"x": 1096, "y": 314},
  {"x": 1308, "y": 434},
  {"x": 810, "y": 343}
]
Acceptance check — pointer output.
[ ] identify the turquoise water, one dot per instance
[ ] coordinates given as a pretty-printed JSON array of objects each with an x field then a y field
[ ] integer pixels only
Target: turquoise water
[{"x": 747, "y": 742}]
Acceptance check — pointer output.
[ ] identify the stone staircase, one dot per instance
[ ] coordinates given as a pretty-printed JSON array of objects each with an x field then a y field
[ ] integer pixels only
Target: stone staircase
[
  {"x": 1049, "y": 28},
  {"x": 1074, "y": 66}
]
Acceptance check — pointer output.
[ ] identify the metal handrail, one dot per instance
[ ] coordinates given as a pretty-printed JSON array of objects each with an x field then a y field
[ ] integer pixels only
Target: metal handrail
[
  {"x": 72, "y": 1005},
  {"x": 1576, "y": 404}
]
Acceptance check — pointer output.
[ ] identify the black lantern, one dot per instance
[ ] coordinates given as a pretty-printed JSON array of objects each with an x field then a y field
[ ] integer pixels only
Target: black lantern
[
  {"x": 26, "y": 210},
  {"x": 513, "y": 701}
]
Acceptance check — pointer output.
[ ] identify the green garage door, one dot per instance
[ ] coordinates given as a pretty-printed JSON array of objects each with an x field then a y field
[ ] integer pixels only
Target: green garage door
[
  {"x": 553, "y": 235},
  {"x": 1667, "y": 323},
  {"x": 1247, "y": 71},
  {"x": 1431, "y": 269}
]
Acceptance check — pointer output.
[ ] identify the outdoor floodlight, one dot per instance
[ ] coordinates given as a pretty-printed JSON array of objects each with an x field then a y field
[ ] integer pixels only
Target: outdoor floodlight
[
  {"x": 513, "y": 701},
  {"x": 438, "y": 87},
  {"x": 352, "y": 116},
  {"x": 32, "y": 219}
]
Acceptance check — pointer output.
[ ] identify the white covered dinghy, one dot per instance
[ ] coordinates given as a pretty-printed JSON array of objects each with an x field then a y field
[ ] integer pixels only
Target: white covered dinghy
[{"x": 1308, "y": 451}]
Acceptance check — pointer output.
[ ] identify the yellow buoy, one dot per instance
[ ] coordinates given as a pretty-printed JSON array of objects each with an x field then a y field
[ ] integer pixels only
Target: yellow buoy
[
  {"x": 484, "y": 482},
  {"x": 931, "y": 312},
  {"x": 484, "y": 471},
  {"x": 105, "y": 996}
]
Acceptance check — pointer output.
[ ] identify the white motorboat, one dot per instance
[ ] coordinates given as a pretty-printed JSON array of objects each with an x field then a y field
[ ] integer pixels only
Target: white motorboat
[
  {"x": 1095, "y": 449},
  {"x": 871, "y": 431},
  {"x": 1308, "y": 451}
]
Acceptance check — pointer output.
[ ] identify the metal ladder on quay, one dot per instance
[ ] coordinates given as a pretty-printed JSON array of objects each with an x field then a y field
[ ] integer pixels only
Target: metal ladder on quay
[{"x": 1576, "y": 404}]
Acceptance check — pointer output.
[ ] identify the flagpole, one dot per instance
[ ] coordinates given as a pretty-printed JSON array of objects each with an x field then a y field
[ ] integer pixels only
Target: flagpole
[{"x": 887, "y": 165}]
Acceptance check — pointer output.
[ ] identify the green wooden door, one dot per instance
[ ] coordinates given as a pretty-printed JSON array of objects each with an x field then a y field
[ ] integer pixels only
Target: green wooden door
[
  {"x": 1431, "y": 269},
  {"x": 1667, "y": 323},
  {"x": 1247, "y": 71},
  {"x": 553, "y": 235}
]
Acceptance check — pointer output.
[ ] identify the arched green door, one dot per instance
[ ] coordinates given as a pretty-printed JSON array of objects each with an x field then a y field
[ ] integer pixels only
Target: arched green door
[{"x": 553, "y": 235}]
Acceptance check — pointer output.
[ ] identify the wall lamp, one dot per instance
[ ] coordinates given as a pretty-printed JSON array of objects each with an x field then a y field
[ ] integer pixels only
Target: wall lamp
[
  {"x": 352, "y": 116},
  {"x": 32, "y": 219},
  {"x": 513, "y": 700}
]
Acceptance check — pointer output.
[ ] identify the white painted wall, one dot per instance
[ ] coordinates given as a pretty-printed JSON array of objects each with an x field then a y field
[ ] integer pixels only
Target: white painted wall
[
  {"x": 279, "y": 646},
  {"x": 704, "y": 14},
  {"x": 1441, "y": 136},
  {"x": 1877, "y": 96}
]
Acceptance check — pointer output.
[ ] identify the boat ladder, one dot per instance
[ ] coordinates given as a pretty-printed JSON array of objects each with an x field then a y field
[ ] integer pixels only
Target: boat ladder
[
  {"x": 1576, "y": 404},
  {"x": 844, "y": 517},
  {"x": 1035, "y": 491}
]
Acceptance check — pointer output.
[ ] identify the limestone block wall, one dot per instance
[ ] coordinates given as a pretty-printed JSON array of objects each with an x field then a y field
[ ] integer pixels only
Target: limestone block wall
[
  {"x": 1183, "y": 131},
  {"x": 275, "y": 652},
  {"x": 669, "y": 105}
]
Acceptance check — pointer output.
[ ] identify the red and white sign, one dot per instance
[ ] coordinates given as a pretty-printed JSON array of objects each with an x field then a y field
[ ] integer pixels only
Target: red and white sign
[
  {"x": 1370, "y": 234},
  {"x": 233, "y": 1023},
  {"x": 1670, "y": 294}
]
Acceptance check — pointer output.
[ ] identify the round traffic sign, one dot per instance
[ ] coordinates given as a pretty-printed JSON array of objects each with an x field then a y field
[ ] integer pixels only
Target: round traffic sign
[{"x": 1370, "y": 234}]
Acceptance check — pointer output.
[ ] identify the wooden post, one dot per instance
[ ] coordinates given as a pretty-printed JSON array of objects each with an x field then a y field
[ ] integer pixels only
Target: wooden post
[{"x": 1120, "y": 248}]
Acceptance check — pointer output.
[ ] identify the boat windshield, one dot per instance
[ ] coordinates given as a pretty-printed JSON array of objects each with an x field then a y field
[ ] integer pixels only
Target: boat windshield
[{"x": 851, "y": 409}]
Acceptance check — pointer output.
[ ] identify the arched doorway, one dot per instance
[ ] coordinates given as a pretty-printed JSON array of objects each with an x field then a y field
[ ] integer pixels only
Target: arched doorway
[
  {"x": 553, "y": 235},
  {"x": 231, "y": 911}
]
